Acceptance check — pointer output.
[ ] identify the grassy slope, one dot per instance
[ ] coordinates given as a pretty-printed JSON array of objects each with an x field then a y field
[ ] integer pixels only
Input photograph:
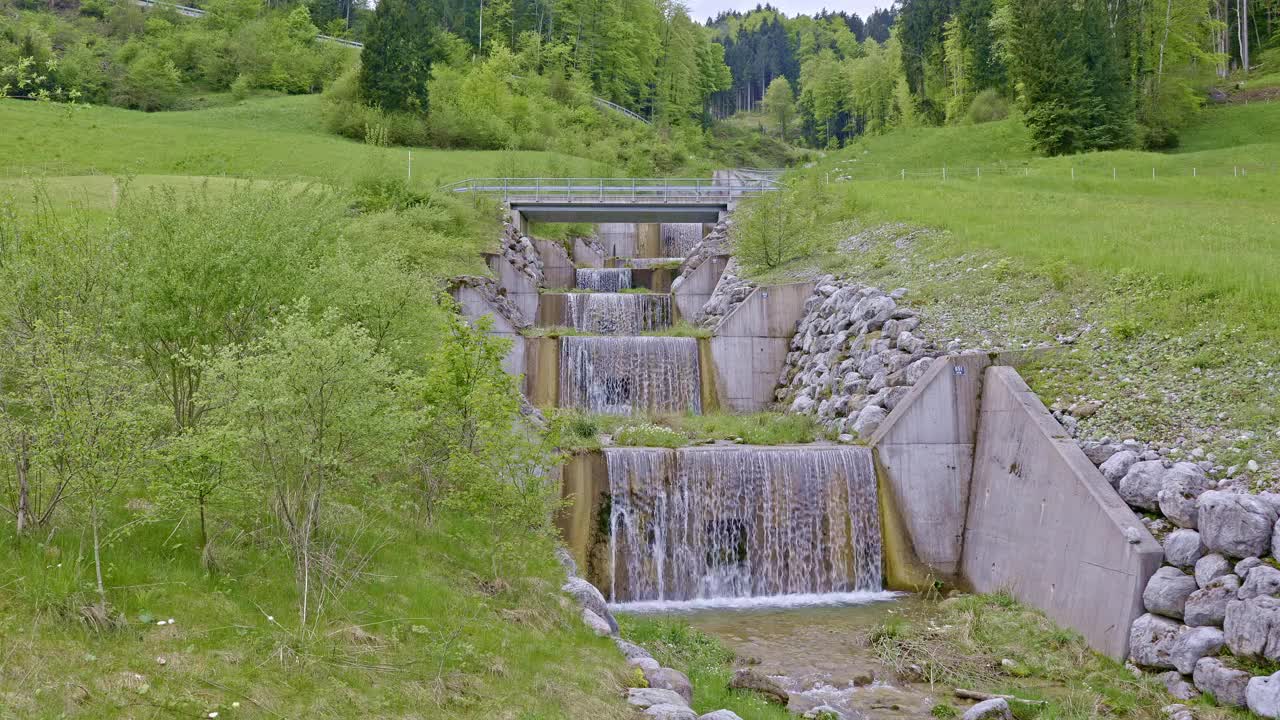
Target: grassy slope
[
  {"x": 436, "y": 640},
  {"x": 277, "y": 138},
  {"x": 1176, "y": 277},
  {"x": 425, "y": 634}
]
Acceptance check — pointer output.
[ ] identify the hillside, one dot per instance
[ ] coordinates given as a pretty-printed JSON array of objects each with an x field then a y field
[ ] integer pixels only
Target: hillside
[{"x": 1164, "y": 290}]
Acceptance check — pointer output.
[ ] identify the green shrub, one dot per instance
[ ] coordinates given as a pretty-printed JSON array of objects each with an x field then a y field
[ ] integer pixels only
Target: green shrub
[{"x": 988, "y": 106}]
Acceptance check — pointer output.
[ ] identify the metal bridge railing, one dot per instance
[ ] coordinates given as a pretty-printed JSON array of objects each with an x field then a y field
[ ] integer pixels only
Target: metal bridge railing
[{"x": 615, "y": 190}]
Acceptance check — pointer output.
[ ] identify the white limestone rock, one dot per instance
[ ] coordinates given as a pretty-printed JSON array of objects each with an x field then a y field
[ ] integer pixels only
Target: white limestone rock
[
  {"x": 1182, "y": 486},
  {"x": 1192, "y": 644},
  {"x": 994, "y": 709},
  {"x": 1167, "y": 592},
  {"x": 1117, "y": 466},
  {"x": 1252, "y": 627},
  {"x": 1208, "y": 605},
  {"x": 1235, "y": 525},
  {"x": 670, "y": 712},
  {"x": 1226, "y": 684},
  {"x": 1211, "y": 566},
  {"x": 1151, "y": 641},
  {"x": 1140, "y": 487},
  {"x": 1183, "y": 549},
  {"x": 1177, "y": 686},
  {"x": 648, "y": 697},
  {"x": 721, "y": 715},
  {"x": 1261, "y": 580},
  {"x": 1262, "y": 696},
  {"x": 673, "y": 680}
]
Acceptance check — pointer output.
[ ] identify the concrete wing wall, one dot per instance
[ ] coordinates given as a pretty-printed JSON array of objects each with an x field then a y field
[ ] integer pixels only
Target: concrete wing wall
[
  {"x": 690, "y": 293},
  {"x": 557, "y": 268},
  {"x": 751, "y": 343},
  {"x": 520, "y": 288},
  {"x": 473, "y": 306},
  {"x": 1044, "y": 523},
  {"x": 925, "y": 448}
]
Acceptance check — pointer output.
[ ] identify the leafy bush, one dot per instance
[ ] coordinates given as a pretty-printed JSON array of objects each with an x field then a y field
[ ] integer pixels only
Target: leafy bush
[{"x": 987, "y": 106}]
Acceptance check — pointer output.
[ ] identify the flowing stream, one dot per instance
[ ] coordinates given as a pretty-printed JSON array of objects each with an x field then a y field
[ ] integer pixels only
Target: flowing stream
[{"x": 611, "y": 313}]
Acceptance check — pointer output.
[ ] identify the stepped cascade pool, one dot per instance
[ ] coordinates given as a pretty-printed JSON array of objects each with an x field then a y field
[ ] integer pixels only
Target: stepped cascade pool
[
  {"x": 604, "y": 279},
  {"x": 742, "y": 522},
  {"x": 628, "y": 375},
  {"x": 617, "y": 313}
]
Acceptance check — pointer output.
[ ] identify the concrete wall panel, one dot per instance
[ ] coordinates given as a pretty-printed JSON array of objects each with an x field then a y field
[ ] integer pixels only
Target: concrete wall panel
[
  {"x": 520, "y": 289},
  {"x": 584, "y": 256},
  {"x": 751, "y": 343},
  {"x": 1044, "y": 523},
  {"x": 557, "y": 268},
  {"x": 473, "y": 306},
  {"x": 695, "y": 290},
  {"x": 925, "y": 448}
]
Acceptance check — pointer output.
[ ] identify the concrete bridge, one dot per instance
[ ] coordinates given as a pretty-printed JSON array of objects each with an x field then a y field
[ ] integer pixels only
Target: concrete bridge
[{"x": 619, "y": 200}]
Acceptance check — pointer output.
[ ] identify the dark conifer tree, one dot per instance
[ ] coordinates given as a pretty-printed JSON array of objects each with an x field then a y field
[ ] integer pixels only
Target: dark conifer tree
[{"x": 399, "y": 48}]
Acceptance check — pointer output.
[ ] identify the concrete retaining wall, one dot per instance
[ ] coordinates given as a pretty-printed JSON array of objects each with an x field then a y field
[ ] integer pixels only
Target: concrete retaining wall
[
  {"x": 584, "y": 256},
  {"x": 1044, "y": 523},
  {"x": 473, "y": 306},
  {"x": 994, "y": 494},
  {"x": 692, "y": 292},
  {"x": 520, "y": 289},
  {"x": 557, "y": 268},
  {"x": 751, "y": 343}
]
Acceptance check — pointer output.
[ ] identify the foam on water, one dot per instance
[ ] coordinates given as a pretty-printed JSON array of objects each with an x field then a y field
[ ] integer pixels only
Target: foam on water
[
  {"x": 764, "y": 602},
  {"x": 617, "y": 313},
  {"x": 604, "y": 279}
]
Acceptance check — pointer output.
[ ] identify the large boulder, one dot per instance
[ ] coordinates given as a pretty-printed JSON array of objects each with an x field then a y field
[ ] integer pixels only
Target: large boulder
[
  {"x": 1167, "y": 592},
  {"x": 772, "y": 690},
  {"x": 1182, "y": 548},
  {"x": 1151, "y": 641},
  {"x": 589, "y": 598},
  {"x": 673, "y": 680},
  {"x": 1253, "y": 627},
  {"x": 1235, "y": 525},
  {"x": 1182, "y": 486},
  {"x": 993, "y": 709},
  {"x": 1191, "y": 644},
  {"x": 597, "y": 624},
  {"x": 1210, "y": 567},
  {"x": 669, "y": 711},
  {"x": 1208, "y": 605},
  {"x": 1140, "y": 487},
  {"x": 721, "y": 715},
  {"x": 868, "y": 421},
  {"x": 630, "y": 650},
  {"x": 1117, "y": 466},
  {"x": 1263, "y": 696},
  {"x": 648, "y": 697},
  {"x": 1262, "y": 580},
  {"x": 1226, "y": 684}
]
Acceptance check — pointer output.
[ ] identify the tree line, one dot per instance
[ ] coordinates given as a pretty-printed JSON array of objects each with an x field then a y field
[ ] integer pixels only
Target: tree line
[{"x": 1093, "y": 74}]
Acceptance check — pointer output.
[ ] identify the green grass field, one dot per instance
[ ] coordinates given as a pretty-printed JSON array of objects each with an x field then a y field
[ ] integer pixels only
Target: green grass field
[{"x": 270, "y": 138}]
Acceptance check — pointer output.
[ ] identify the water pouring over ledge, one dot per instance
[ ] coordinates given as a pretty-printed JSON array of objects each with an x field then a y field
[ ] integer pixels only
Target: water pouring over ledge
[
  {"x": 742, "y": 526},
  {"x": 604, "y": 279},
  {"x": 628, "y": 375},
  {"x": 617, "y": 313}
]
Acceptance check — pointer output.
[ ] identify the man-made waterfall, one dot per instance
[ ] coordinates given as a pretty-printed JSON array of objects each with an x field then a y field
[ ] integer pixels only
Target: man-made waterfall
[
  {"x": 733, "y": 522},
  {"x": 617, "y": 313},
  {"x": 678, "y": 239},
  {"x": 626, "y": 375},
  {"x": 604, "y": 279}
]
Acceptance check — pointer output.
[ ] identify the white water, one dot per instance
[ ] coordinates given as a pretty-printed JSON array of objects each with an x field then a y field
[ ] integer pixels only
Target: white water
[
  {"x": 604, "y": 279},
  {"x": 764, "y": 602},
  {"x": 617, "y": 313},
  {"x": 742, "y": 522},
  {"x": 629, "y": 375},
  {"x": 678, "y": 239}
]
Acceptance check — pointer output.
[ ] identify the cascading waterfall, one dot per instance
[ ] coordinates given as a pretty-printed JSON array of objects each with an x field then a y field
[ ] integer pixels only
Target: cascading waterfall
[
  {"x": 604, "y": 279},
  {"x": 742, "y": 522},
  {"x": 617, "y": 313},
  {"x": 678, "y": 239},
  {"x": 626, "y": 375}
]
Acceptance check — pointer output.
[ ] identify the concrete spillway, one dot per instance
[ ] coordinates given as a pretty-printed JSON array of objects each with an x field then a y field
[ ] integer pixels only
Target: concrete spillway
[
  {"x": 731, "y": 522},
  {"x": 617, "y": 313},
  {"x": 604, "y": 279},
  {"x": 629, "y": 375}
]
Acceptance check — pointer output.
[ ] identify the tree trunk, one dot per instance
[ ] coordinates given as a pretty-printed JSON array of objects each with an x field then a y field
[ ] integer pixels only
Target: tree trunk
[
  {"x": 23, "y": 463},
  {"x": 97, "y": 559},
  {"x": 1242, "y": 25}
]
